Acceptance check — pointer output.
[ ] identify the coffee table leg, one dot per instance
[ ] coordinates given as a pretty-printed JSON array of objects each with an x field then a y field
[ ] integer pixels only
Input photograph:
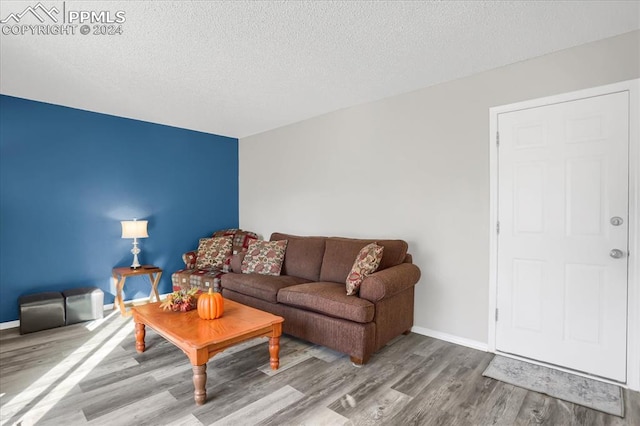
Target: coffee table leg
[
  {"x": 140, "y": 332},
  {"x": 274, "y": 352},
  {"x": 200, "y": 383}
]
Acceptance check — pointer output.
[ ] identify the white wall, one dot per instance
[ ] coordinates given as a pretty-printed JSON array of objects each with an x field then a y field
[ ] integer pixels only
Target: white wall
[{"x": 415, "y": 167}]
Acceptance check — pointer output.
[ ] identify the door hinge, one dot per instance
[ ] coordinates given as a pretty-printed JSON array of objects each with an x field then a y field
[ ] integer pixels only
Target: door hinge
[
  {"x": 496, "y": 314},
  {"x": 497, "y": 138},
  {"x": 498, "y": 227}
]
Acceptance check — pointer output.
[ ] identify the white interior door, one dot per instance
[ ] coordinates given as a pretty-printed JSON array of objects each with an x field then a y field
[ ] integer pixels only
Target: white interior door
[{"x": 562, "y": 182}]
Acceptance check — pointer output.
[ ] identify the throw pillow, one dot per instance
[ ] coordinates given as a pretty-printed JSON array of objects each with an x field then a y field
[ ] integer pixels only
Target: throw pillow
[
  {"x": 212, "y": 252},
  {"x": 264, "y": 257},
  {"x": 365, "y": 264}
]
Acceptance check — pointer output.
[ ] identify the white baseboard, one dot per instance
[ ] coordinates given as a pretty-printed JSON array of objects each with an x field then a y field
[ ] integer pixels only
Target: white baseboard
[
  {"x": 14, "y": 324},
  {"x": 9, "y": 324},
  {"x": 473, "y": 344}
]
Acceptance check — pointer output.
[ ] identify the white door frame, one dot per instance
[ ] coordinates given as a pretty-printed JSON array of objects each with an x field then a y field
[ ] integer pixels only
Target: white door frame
[{"x": 633, "y": 308}]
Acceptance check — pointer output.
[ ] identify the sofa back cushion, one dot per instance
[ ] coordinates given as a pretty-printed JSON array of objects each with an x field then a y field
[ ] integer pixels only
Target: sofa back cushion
[
  {"x": 340, "y": 253},
  {"x": 240, "y": 239},
  {"x": 303, "y": 257}
]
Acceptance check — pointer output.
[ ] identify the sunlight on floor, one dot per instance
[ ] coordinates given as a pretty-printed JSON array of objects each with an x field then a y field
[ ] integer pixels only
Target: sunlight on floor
[
  {"x": 92, "y": 325},
  {"x": 35, "y": 401}
]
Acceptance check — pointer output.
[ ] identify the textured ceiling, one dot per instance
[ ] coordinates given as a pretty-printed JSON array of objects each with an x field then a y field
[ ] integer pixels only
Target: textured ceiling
[{"x": 240, "y": 68}]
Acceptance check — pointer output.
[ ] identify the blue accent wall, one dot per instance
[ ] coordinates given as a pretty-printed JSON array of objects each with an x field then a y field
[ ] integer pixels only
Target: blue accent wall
[{"x": 67, "y": 179}]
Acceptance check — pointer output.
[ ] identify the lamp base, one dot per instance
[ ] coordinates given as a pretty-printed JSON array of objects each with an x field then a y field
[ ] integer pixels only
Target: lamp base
[{"x": 135, "y": 251}]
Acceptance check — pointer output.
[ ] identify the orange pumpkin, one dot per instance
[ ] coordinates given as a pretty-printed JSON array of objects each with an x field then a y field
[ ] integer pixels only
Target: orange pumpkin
[{"x": 210, "y": 305}]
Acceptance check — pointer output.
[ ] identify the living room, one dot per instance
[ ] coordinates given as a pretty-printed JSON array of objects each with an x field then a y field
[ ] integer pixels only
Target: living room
[{"x": 134, "y": 132}]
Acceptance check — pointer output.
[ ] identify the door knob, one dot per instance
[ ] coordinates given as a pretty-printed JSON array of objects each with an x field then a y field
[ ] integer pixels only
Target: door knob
[
  {"x": 616, "y": 254},
  {"x": 616, "y": 221}
]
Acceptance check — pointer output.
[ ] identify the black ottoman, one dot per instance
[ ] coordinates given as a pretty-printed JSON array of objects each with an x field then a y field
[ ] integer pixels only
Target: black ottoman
[
  {"x": 41, "y": 311},
  {"x": 83, "y": 304}
]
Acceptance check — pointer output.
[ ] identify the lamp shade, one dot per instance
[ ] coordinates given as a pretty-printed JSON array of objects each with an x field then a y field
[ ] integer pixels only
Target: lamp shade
[{"x": 134, "y": 228}]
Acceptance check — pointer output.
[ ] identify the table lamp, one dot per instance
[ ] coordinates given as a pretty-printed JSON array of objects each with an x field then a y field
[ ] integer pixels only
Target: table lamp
[{"x": 134, "y": 229}]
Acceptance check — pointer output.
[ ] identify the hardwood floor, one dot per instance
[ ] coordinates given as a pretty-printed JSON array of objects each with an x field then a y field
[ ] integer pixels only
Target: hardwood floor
[{"x": 91, "y": 374}]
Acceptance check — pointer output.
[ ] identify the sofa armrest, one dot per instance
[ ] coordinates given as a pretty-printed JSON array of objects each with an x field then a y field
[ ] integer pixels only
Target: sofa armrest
[
  {"x": 189, "y": 259},
  {"x": 389, "y": 282}
]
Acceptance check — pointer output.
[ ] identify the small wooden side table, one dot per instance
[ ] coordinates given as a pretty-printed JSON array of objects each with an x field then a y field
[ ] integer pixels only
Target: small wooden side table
[{"x": 120, "y": 276}]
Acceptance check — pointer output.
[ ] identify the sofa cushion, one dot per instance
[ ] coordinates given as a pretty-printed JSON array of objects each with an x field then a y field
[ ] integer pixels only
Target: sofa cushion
[
  {"x": 236, "y": 262},
  {"x": 365, "y": 264},
  {"x": 212, "y": 252},
  {"x": 263, "y": 287},
  {"x": 303, "y": 257},
  {"x": 240, "y": 238},
  {"x": 327, "y": 298},
  {"x": 340, "y": 253}
]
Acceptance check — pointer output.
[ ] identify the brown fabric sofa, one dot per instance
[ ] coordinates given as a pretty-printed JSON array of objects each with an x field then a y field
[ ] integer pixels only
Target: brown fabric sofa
[{"x": 311, "y": 295}]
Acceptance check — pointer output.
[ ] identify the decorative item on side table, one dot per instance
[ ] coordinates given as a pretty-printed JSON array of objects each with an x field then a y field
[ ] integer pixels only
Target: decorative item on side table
[
  {"x": 134, "y": 229},
  {"x": 210, "y": 305},
  {"x": 181, "y": 300}
]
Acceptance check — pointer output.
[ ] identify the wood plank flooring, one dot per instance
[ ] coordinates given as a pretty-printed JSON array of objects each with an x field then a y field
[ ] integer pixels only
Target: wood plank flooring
[{"x": 90, "y": 374}]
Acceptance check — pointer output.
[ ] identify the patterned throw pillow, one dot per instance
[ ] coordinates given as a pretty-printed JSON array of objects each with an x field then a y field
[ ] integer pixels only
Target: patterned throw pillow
[
  {"x": 366, "y": 263},
  {"x": 212, "y": 252},
  {"x": 264, "y": 257}
]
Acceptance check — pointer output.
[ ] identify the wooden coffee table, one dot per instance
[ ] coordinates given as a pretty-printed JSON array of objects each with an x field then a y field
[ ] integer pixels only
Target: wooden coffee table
[{"x": 201, "y": 339}]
